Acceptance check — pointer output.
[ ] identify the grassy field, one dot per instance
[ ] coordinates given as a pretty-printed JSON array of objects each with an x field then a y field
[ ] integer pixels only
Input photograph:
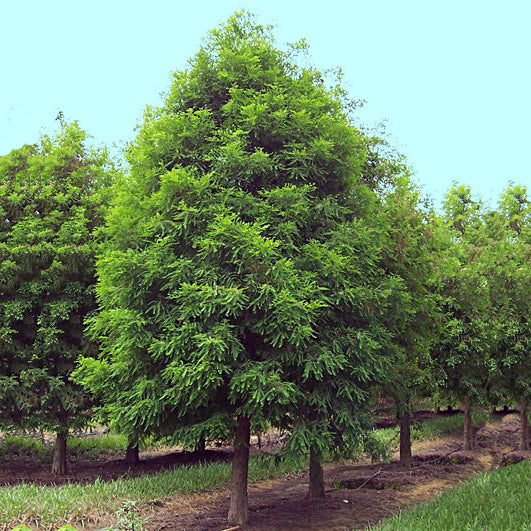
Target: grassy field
[
  {"x": 498, "y": 500},
  {"x": 49, "y": 505},
  {"x": 429, "y": 429}
]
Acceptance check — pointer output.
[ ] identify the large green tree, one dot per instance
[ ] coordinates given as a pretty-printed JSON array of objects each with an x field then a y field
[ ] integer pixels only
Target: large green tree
[
  {"x": 51, "y": 204},
  {"x": 241, "y": 280}
]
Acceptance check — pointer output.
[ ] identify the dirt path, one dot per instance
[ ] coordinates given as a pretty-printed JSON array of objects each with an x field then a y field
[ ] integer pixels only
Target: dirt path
[{"x": 358, "y": 494}]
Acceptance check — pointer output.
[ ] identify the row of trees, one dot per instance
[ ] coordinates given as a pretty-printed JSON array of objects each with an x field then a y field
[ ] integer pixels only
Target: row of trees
[
  {"x": 483, "y": 354},
  {"x": 262, "y": 263}
]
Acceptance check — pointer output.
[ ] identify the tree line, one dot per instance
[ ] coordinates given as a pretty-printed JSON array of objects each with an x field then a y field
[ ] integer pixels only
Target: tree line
[{"x": 263, "y": 262}]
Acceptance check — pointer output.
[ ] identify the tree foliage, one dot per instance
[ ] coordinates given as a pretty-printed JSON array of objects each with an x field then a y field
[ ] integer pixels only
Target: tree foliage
[
  {"x": 463, "y": 352},
  {"x": 510, "y": 277},
  {"x": 242, "y": 277},
  {"x": 51, "y": 205}
]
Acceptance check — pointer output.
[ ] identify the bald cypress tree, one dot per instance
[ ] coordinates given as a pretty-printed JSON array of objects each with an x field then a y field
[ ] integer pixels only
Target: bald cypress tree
[
  {"x": 510, "y": 278},
  {"x": 462, "y": 355},
  {"x": 240, "y": 281},
  {"x": 51, "y": 203}
]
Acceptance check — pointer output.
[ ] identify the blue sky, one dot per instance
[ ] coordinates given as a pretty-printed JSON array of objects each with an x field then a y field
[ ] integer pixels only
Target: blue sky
[{"x": 451, "y": 78}]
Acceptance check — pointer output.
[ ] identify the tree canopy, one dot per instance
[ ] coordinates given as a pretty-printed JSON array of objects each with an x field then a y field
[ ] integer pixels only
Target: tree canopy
[
  {"x": 52, "y": 199},
  {"x": 241, "y": 280}
]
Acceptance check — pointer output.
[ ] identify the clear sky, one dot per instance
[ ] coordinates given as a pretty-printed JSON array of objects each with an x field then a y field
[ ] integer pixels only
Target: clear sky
[{"x": 452, "y": 78}]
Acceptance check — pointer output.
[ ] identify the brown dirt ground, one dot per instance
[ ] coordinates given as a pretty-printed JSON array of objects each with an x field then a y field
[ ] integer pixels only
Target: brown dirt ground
[{"x": 358, "y": 493}]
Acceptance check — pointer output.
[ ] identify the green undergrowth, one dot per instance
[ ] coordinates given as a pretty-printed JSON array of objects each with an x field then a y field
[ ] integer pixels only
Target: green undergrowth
[
  {"x": 92, "y": 447},
  {"x": 55, "y": 505},
  {"x": 499, "y": 500},
  {"x": 429, "y": 429}
]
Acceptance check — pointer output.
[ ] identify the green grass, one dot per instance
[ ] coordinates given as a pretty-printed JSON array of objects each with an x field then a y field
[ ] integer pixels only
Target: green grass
[
  {"x": 17, "y": 446},
  {"x": 96, "y": 446},
  {"x": 54, "y": 505},
  {"x": 93, "y": 447},
  {"x": 498, "y": 500},
  {"x": 429, "y": 429}
]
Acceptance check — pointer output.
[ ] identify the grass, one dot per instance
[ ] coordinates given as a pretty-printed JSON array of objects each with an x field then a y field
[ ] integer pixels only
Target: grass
[
  {"x": 429, "y": 429},
  {"x": 47, "y": 505},
  {"x": 498, "y": 500},
  {"x": 93, "y": 447},
  {"x": 56, "y": 505},
  {"x": 16, "y": 446},
  {"x": 96, "y": 446}
]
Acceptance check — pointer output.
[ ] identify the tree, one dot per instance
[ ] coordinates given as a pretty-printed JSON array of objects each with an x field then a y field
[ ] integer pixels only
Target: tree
[
  {"x": 510, "y": 274},
  {"x": 462, "y": 356},
  {"x": 352, "y": 347},
  {"x": 239, "y": 283},
  {"x": 51, "y": 205},
  {"x": 410, "y": 255}
]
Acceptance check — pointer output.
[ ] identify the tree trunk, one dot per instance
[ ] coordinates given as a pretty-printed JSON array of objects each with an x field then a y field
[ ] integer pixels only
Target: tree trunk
[
  {"x": 467, "y": 431},
  {"x": 317, "y": 488},
  {"x": 131, "y": 454},
  {"x": 405, "y": 438},
  {"x": 523, "y": 423},
  {"x": 200, "y": 447},
  {"x": 239, "y": 510},
  {"x": 59, "y": 467}
]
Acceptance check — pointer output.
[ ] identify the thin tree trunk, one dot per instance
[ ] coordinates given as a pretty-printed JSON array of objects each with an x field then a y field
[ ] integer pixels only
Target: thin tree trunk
[
  {"x": 467, "y": 431},
  {"x": 239, "y": 510},
  {"x": 317, "y": 488},
  {"x": 131, "y": 454},
  {"x": 59, "y": 467},
  {"x": 405, "y": 438},
  {"x": 200, "y": 447},
  {"x": 523, "y": 423}
]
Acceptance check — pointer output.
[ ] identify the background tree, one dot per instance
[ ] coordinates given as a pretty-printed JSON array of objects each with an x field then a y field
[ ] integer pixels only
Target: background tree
[
  {"x": 351, "y": 350},
  {"x": 229, "y": 291},
  {"x": 510, "y": 274},
  {"x": 51, "y": 204},
  {"x": 410, "y": 255},
  {"x": 463, "y": 353}
]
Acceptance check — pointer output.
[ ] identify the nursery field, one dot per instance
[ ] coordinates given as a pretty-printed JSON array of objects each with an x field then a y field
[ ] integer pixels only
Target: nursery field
[
  {"x": 172, "y": 489},
  {"x": 259, "y": 283}
]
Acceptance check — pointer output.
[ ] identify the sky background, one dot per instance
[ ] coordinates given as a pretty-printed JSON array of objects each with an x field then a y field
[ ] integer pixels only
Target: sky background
[{"x": 450, "y": 78}]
